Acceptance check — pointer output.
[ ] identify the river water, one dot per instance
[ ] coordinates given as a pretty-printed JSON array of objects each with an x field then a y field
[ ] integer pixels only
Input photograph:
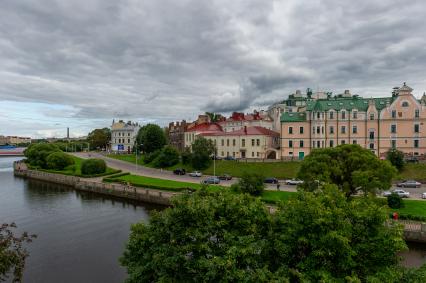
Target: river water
[{"x": 80, "y": 235}]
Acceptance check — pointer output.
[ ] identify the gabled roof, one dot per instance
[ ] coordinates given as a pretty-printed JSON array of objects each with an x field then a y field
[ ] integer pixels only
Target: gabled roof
[
  {"x": 246, "y": 131},
  {"x": 206, "y": 127},
  {"x": 293, "y": 117}
]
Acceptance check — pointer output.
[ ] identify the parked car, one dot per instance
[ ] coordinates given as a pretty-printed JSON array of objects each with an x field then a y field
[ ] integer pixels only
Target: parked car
[
  {"x": 195, "y": 174},
  {"x": 229, "y": 158},
  {"x": 399, "y": 192},
  {"x": 225, "y": 177},
  {"x": 423, "y": 195},
  {"x": 215, "y": 157},
  {"x": 411, "y": 159},
  {"x": 179, "y": 171},
  {"x": 211, "y": 180},
  {"x": 293, "y": 182},
  {"x": 271, "y": 180},
  {"x": 409, "y": 184}
]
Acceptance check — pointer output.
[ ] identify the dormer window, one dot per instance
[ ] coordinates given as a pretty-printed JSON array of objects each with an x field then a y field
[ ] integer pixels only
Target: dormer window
[
  {"x": 331, "y": 115},
  {"x": 393, "y": 113},
  {"x": 371, "y": 116},
  {"x": 405, "y": 104},
  {"x": 417, "y": 113},
  {"x": 343, "y": 115}
]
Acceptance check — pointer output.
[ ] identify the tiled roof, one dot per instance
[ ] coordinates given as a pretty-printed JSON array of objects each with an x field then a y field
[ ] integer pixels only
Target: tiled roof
[
  {"x": 206, "y": 127},
  {"x": 293, "y": 117},
  {"x": 338, "y": 104},
  {"x": 246, "y": 131}
]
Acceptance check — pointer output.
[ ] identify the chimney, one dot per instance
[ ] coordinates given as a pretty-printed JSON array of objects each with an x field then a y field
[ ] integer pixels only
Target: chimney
[{"x": 245, "y": 130}]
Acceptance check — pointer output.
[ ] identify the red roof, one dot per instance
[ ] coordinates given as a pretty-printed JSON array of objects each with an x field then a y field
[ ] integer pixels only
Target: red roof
[
  {"x": 237, "y": 116},
  {"x": 206, "y": 128},
  {"x": 246, "y": 131}
]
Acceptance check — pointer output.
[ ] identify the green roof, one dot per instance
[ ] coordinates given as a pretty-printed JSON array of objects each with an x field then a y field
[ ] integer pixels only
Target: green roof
[
  {"x": 338, "y": 104},
  {"x": 293, "y": 117}
]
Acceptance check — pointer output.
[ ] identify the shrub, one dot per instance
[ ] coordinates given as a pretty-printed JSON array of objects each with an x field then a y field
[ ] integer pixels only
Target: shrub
[
  {"x": 37, "y": 153},
  {"x": 251, "y": 184},
  {"x": 59, "y": 160},
  {"x": 186, "y": 156},
  {"x": 396, "y": 157},
  {"x": 93, "y": 166},
  {"x": 394, "y": 201},
  {"x": 168, "y": 156},
  {"x": 149, "y": 157}
]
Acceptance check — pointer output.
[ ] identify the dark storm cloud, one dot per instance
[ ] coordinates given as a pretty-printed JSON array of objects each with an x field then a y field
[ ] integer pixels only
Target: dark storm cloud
[{"x": 169, "y": 59}]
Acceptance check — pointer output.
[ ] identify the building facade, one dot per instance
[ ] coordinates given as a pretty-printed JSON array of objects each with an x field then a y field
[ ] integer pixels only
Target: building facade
[
  {"x": 14, "y": 140},
  {"x": 123, "y": 136},
  {"x": 238, "y": 121},
  {"x": 378, "y": 124},
  {"x": 176, "y": 134}
]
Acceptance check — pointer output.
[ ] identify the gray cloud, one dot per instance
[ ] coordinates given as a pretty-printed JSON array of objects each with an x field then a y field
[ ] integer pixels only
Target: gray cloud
[{"x": 165, "y": 59}]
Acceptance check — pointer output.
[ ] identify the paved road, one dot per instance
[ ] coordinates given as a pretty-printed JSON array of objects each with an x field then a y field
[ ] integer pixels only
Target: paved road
[{"x": 163, "y": 174}]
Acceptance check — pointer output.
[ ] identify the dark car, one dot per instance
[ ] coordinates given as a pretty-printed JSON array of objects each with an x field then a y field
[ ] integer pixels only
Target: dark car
[
  {"x": 211, "y": 180},
  {"x": 412, "y": 159},
  {"x": 271, "y": 180},
  {"x": 225, "y": 177},
  {"x": 229, "y": 158},
  {"x": 179, "y": 171}
]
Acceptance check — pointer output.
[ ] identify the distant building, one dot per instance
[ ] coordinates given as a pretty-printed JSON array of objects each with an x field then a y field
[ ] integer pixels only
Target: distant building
[
  {"x": 377, "y": 124},
  {"x": 123, "y": 136},
  {"x": 14, "y": 140},
  {"x": 238, "y": 121},
  {"x": 192, "y": 133},
  {"x": 176, "y": 134}
]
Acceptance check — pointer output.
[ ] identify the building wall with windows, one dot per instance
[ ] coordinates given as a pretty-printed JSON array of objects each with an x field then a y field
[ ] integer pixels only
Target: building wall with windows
[
  {"x": 123, "y": 136},
  {"x": 378, "y": 124}
]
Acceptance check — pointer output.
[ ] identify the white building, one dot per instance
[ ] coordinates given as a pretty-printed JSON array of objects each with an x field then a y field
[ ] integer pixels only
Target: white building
[{"x": 123, "y": 136}]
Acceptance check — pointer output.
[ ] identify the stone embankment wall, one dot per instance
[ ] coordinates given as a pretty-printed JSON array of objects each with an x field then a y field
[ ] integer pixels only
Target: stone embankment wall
[
  {"x": 117, "y": 190},
  {"x": 414, "y": 231}
]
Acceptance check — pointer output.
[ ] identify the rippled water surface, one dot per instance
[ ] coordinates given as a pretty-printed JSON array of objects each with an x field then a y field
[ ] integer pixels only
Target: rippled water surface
[{"x": 80, "y": 235}]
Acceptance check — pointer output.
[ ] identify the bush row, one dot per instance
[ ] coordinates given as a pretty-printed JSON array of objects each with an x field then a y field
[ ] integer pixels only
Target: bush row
[{"x": 412, "y": 217}]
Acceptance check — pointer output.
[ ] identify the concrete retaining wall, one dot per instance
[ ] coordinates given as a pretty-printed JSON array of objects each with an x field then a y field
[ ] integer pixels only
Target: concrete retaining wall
[{"x": 117, "y": 190}]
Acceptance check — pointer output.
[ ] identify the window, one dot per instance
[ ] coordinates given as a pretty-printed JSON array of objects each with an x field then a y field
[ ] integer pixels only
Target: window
[
  {"x": 252, "y": 154},
  {"x": 318, "y": 115},
  {"x": 393, "y": 113},
  {"x": 354, "y": 142},
  {"x": 227, "y": 153},
  {"x": 233, "y": 142},
  {"x": 301, "y": 144},
  {"x": 331, "y": 143},
  {"x": 416, "y": 143},
  {"x": 243, "y": 142},
  {"x": 313, "y": 130},
  {"x": 322, "y": 130},
  {"x": 371, "y": 145},
  {"x": 393, "y": 129},
  {"x": 258, "y": 154},
  {"x": 128, "y": 140},
  {"x": 252, "y": 142},
  {"x": 354, "y": 129},
  {"x": 331, "y": 130},
  {"x": 393, "y": 143},
  {"x": 290, "y": 130},
  {"x": 233, "y": 154},
  {"x": 313, "y": 144},
  {"x": 318, "y": 144},
  {"x": 343, "y": 130},
  {"x": 355, "y": 115},
  {"x": 331, "y": 115},
  {"x": 405, "y": 104},
  {"x": 417, "y": 113},
  {"x": 258, "y": 142},
  {"x": 223, "y": 143},
  {"x": 301, "y": 130},
  {"x": 371, "y": 116},
  {"x": 343, "y": 142},
  {"x": 290, "y": 144},
  {"x": 227, "y": 142},
  {"x": 318, "y": 130},
  {"x": 343, "y": 115},
  {"x": 223, "y": 154},
  {"x": 128, "y": 134},
  {"x": 371, "y": 135},
  {"x": 416, "y": 128}
]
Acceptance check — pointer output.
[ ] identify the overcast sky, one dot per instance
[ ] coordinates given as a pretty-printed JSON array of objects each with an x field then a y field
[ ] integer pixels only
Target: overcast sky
[{"x": 81, "y": 63}]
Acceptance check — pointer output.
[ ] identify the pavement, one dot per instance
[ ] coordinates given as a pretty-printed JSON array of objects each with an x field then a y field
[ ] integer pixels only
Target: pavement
[
  {"x": 164, "y": 174},
  {"x": 415, "y": 193}
]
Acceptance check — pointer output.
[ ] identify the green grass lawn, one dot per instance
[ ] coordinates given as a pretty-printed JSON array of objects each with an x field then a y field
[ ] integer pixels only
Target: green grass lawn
[
  {"x": 414, "y": 171},
  {"x": 75, "y": 170},
  {"x": 412, "y": 207}
]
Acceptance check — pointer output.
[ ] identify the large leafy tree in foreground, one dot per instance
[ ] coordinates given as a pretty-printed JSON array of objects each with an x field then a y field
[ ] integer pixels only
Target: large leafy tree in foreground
[
  {"x": 202, "y": 150},
  {"x": 151, "y": 138},
  {"x": 350, "y": 167},
  {"x": 225, "y": 237}
]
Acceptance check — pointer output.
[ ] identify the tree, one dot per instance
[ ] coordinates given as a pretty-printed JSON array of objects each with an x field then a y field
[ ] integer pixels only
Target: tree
[
  {"x": 37, "y": 154},
  {"x": 252, "y": 184},
  {"x": 319, "y": 236},
  {"x": 93, "y": 166},
  {"x": 186, "y": 156},
  {"x": 12, "y": 252},
  {"x": 202, "y": 150},
  {"x": 59, "y": 160},
  {"x": 168, "y": 156},
  {"x": 213, "y": 116},
  {"x": 396, "y": 158},
  {"x": 394, "y": 201},
  {"x": 99, "y": 138},
  {"x": 205, "y": 237},
  {"x": 151, "y": 138},
  {"x": 350, "y": 167}
]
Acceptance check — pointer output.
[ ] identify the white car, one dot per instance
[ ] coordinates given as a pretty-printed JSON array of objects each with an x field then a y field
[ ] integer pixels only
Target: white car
[
  {"x": 293, "y": 182},
  {"x": 423, "y": 195},
  {"x": 195, "y": 174},
  {"x": 399, "y": 192}
]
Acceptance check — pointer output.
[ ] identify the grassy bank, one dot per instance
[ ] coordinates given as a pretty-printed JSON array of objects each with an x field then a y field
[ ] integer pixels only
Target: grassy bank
[
  {"x": 412, "y": 209},
  {"x": 414, "y": 171}
]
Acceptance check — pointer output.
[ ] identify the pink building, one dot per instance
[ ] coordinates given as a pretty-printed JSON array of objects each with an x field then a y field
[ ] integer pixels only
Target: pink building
[{"x": 378, "y": 124}]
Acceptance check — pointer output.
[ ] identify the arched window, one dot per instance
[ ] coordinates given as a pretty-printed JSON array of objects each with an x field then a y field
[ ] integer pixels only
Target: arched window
[{"x": 405, "y": 104}]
